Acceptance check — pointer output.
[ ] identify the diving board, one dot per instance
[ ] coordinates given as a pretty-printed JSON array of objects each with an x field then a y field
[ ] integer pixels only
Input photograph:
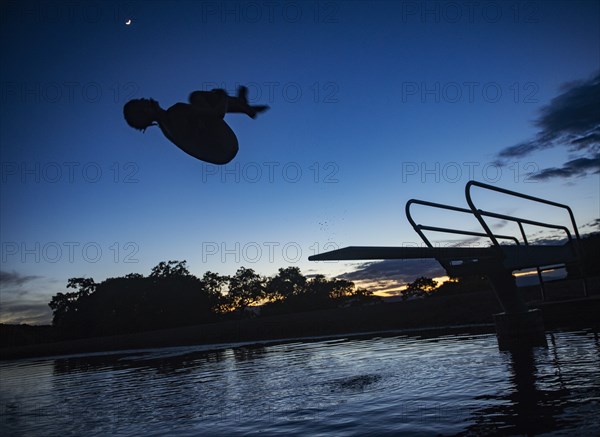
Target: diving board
[
  {"x": 382, "y": 252},
  {"x": 505, "y": 253},
  {"x": 461, "y": 260}
]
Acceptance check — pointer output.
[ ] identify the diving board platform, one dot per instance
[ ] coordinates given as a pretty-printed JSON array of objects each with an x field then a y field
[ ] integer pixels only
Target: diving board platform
[
  {"x": 460, "y": 260},
  {"x": 383, "y": 252}
]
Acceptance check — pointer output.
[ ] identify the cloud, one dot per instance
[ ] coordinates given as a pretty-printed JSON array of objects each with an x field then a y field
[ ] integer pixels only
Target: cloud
[
  {"x": 571, "y": 120},
  {"x": 400, "y": 271},
  {"x": 20, "y": 301},
  {"x": 13, "y": 278},
  {"x": 591, "y": 227},
  {"x": 576, "y": 167},
  {"x": 32, "y": 312},
  {"x": 12, "y": 284}
]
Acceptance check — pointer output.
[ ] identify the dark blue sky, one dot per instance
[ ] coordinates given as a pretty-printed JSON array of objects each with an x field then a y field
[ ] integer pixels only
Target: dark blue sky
[{"x": 372, "y": 103}]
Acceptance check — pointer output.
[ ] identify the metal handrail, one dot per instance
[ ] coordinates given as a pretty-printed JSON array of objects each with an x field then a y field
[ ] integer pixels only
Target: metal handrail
[
  {"x": 418, "y": 227},
  {"x": 479, "y": 214},
  {"x": 470, "y": 233},
  {"x": 521, "y": 221}
]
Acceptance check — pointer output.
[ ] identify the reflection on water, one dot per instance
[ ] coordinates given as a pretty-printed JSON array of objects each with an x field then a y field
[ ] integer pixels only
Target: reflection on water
[{"x": 450, "y": 385}]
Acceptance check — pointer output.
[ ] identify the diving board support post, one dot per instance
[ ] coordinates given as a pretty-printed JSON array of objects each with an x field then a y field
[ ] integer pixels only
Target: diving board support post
[
  {"x": 517, "y": 330},
  {"x": 517, "y": 326}
]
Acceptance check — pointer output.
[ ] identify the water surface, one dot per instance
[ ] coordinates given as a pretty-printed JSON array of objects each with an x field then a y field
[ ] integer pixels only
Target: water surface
[{"x": 382, "y": 385}]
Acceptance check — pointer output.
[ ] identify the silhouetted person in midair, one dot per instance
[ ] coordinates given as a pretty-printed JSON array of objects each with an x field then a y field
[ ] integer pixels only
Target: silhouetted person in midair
[{"x": 196, "y": 127}]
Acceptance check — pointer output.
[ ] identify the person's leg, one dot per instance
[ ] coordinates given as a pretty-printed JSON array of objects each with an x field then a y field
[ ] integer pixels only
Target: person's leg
[
  {"x": 217, "y": 102},
  {"x": 210, "y": 103}
]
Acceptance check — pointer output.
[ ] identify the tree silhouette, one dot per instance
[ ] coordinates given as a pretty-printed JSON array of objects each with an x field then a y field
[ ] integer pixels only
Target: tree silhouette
[
  {"x": 215, "y": 286},
  {"x": 341, "y": 288},
  {"x": 245, "y": 288},
  {"x": 288, "y": 282},
  {"x": 318, "y": 287},
  {"x": 134, "y": 275},
  {"x": 62, "y": 305},
  {"x": 85, "y": 286},
  {"x": 420, "y": 287},
  {"x": 171, "y": 296},
  {"x": 461, "y": 285},
  {"x": 66, "y": 306},
  {"x": 170, "y": 269},
  {"x": 315, "y": 293},
  {"x": 364, "y": 295}
]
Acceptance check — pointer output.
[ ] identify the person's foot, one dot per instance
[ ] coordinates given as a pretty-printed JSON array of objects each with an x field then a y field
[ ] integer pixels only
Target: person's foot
[
  {"x": 255, "y": 110},
  {"x": 252, "y": 111}
]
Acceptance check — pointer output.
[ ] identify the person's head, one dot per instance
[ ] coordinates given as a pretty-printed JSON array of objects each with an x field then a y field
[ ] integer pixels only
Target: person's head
[{"x": 141, "y": 113}]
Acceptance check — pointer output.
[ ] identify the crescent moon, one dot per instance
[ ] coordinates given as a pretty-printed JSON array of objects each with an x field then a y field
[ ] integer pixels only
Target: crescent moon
[{"x": 128, "y": 22}]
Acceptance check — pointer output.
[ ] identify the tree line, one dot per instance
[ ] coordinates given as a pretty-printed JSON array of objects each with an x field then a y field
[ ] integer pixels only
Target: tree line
[{"x": 171, "y": 296}]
